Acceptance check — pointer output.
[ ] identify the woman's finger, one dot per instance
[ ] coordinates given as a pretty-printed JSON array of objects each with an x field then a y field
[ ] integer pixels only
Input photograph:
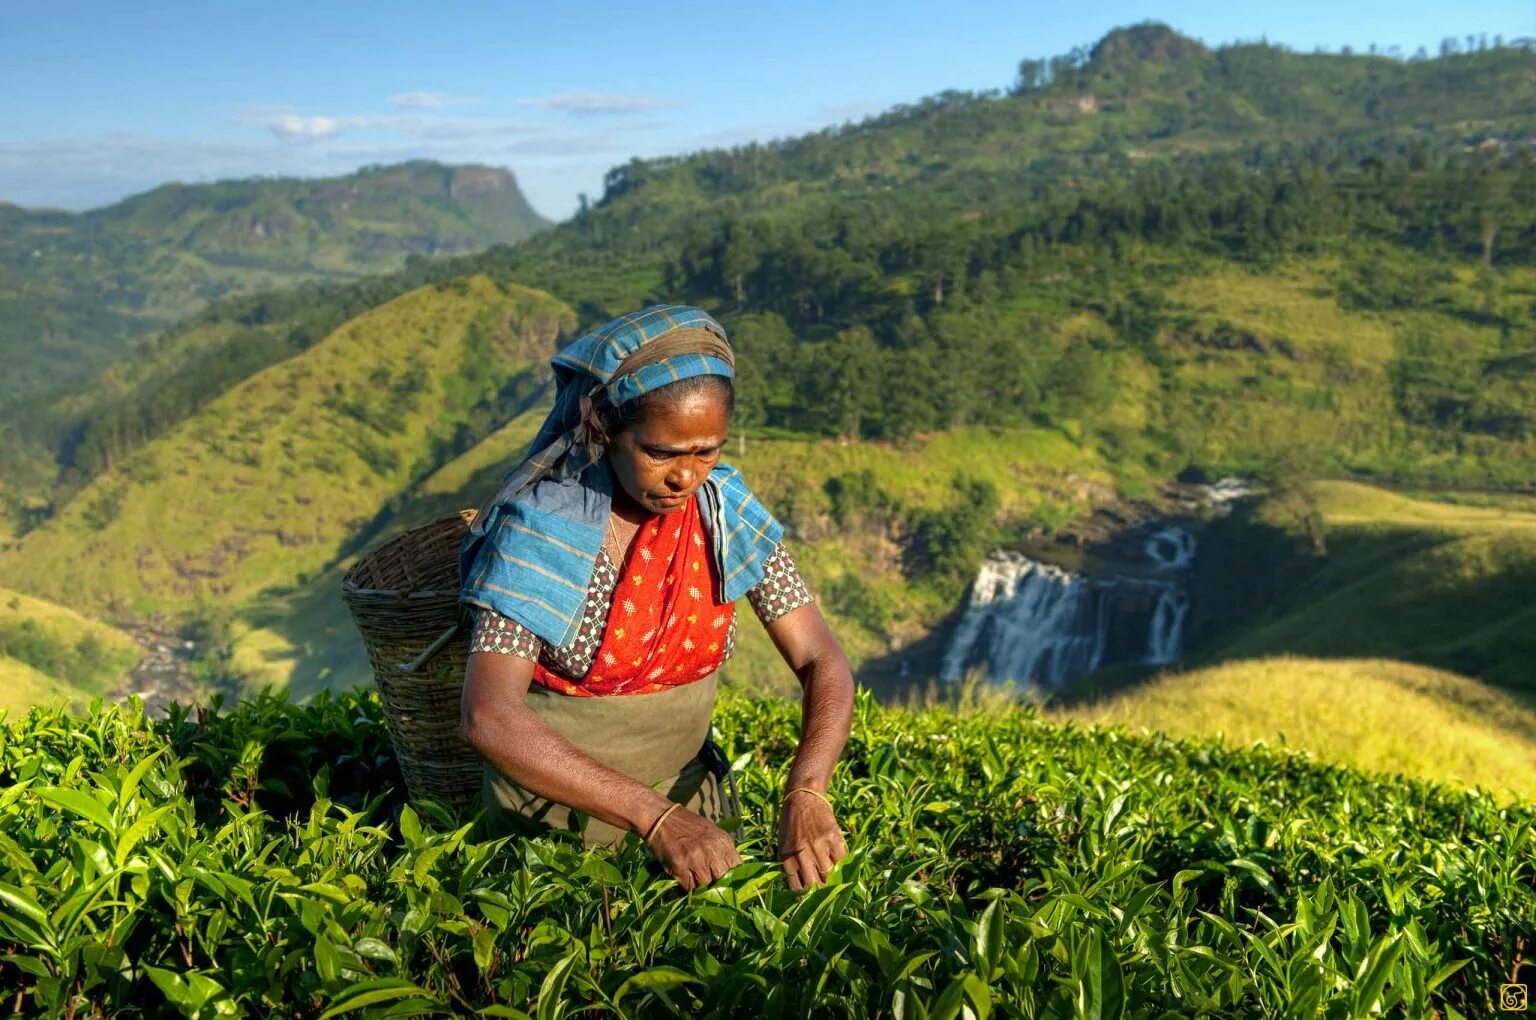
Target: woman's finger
[
  {"x": 792, "y": 872},
  {"x": 821, "y": 855},
  {"x": 810, "y": 869}
]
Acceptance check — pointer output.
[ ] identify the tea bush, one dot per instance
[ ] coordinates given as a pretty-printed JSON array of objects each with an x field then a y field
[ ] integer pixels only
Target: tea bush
[{"x": 261, "y": 860}]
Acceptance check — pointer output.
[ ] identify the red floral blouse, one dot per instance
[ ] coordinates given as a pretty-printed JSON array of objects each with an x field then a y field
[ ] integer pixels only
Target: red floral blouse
[{"x": 781, "y": 590}]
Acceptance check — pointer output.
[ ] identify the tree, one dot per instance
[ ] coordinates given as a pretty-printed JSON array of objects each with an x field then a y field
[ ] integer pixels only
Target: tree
[
  {"x": 1032, "y": 75},
  {"x": 946, "y": 546}
]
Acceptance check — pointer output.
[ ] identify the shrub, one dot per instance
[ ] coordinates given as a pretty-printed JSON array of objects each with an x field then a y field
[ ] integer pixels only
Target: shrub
[
  {"x": 260, "y": 861},
  {"x": 946, "y": 546}
]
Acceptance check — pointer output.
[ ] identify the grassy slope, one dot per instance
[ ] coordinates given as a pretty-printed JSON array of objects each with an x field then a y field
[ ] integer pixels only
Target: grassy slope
[
  {"x": 303, "y": 638},
  {"x": 22, "y": 684},
  {"x": 1272, "y": 361},
  {"x": 1372, "y": 714},
  {"x": 1443, "y": 584},
  {"x": 267, "y": 483}
]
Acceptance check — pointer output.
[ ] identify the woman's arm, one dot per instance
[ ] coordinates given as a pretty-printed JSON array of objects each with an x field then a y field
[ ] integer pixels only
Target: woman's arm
[
  {"x": 498, "y": 723},
  {"x": 808, "y": 831}
]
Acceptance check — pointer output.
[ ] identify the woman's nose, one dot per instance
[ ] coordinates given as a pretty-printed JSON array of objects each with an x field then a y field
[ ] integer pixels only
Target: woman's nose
[{"x": 680, "y": 478}]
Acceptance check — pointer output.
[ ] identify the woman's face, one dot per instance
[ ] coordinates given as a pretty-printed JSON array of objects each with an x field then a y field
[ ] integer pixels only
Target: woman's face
[{"x": 662, "y": 460}]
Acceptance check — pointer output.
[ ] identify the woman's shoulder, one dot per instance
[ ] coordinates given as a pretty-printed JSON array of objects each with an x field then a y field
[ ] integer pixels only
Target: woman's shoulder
[{"x": 723, "y": 473}]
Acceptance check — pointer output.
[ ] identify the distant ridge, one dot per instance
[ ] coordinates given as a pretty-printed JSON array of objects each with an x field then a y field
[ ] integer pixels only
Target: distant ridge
[{"x": 76, "y": 288}]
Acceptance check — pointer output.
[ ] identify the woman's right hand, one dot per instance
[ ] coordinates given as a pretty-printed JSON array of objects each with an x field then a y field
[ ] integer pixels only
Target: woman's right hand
[{"x": 693, "y": 849}]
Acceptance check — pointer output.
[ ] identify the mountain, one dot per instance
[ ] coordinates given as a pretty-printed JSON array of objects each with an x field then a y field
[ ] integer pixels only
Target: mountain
[{"x": 75, "y": 289}]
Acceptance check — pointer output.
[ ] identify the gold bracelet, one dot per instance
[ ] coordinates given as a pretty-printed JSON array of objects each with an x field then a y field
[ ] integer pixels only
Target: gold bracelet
[
  {"x": 657, "y": 823},
  {"x": 807, "y": 789}
]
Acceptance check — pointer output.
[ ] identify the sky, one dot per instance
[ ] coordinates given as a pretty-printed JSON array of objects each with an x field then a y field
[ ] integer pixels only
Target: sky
[{"x": 102, "y": 100}]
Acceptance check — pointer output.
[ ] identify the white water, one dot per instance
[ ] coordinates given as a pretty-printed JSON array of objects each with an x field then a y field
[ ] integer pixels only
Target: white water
[
  {"x": 1171, "y": 549},
  {"x": 1040, "y": 625},
  {"x": 1165, "y": 638}
]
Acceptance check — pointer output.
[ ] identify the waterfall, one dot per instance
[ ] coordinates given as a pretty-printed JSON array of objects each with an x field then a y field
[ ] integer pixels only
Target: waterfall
[
  {"x": 1037, "y": 624},
  {"x": 1165, "y": 639}
]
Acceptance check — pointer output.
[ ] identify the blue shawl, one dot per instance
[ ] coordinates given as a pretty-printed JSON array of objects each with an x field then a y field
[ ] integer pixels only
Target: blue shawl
[{"x": 531, "y": 549}]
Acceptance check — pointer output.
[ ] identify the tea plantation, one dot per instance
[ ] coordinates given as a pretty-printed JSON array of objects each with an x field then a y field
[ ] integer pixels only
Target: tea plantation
[{"x": 259, "y": 861}]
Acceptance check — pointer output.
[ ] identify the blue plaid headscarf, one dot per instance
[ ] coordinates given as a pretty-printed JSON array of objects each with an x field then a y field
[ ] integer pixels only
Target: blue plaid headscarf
[{"x": 531, "y": 549}]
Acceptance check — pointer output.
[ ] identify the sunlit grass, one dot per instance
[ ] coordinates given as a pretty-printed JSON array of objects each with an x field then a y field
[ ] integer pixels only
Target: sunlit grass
[
  {"x": 1436, "y": 583},
  {"x": 22, "y": 686},
  {"x": 1294, "y": 303},
  {"x": 264, "y": 486},
  {"x": 21, "y": 683},
  {"x": 1373, "y": 714}
]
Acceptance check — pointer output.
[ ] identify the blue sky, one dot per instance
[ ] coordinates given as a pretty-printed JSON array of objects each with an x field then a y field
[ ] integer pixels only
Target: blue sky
[{"x": 101, "y": 100}]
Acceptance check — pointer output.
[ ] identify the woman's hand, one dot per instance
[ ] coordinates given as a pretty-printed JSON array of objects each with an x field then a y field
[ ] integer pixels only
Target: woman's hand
[
  {"x": 695, "y": 850},
  {"x": 810, "y": 841}
]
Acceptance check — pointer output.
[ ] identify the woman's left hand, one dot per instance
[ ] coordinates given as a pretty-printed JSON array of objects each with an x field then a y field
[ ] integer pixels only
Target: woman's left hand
[{"x": 810, "y": 841}]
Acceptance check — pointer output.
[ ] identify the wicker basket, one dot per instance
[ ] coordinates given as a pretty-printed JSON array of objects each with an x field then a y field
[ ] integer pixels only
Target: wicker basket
[{"x": 404, "y": 597}]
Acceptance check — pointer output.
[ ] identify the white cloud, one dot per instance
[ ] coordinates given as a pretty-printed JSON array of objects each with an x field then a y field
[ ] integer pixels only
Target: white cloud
[
  {"x": 287, "y": 123},
  {"x": 291, "y": 125},
  {"x": 595, "y": 104},
  {"x": 429, "y": 100}
]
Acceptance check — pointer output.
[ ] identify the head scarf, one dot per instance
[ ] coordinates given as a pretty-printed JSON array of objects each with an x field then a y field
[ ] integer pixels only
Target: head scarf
[{"x": 532, "y": 547}]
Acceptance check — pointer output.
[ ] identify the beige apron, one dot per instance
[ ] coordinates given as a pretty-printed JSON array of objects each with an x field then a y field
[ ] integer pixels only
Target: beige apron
[{"x": 661, "y": 740}]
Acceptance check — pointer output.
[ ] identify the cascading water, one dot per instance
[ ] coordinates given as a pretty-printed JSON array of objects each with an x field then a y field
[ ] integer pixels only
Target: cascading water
[
  {"x": 1040, "y": 625},
  {"x": 1165, "y": 639}
]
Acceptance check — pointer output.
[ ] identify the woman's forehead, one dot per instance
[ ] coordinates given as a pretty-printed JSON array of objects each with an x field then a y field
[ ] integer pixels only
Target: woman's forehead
[{"x": 695, "y": 419}]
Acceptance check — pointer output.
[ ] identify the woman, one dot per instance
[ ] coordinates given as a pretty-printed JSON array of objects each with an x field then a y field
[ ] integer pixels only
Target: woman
[{"x": 602, "y": 578}]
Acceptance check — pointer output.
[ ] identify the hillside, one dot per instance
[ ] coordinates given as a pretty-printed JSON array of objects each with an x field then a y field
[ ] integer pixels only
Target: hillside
[
  {"x": 1372, "y": 714},
  {"x": 1429, "y": 581},
  {"x": 75, "y": 289},
  {"x": 50, "y": 653},
  {"x": 999, "y": 865},
  {"x": 962, "y": 232},
  {"x": 270, "y": 481},
  {"x": 985, "y": 305}
]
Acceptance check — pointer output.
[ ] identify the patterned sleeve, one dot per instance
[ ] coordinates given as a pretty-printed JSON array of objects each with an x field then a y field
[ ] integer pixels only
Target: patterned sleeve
[
  {"x": 782, "y": 588},
  {"x": 495, "y": 633}
]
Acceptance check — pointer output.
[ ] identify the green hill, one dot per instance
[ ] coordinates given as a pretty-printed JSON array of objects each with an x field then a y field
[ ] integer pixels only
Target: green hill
[
  {"x": 1372, "y": 714},
  {"x": 50, "y": 653},
  {"x": 76, "y": 288},
  {"x": 999, "y": 865},
  {"x": 1434, "y": 582},
  {"x": 959, "y": 233},
  {"x": 271, "y": 480}
]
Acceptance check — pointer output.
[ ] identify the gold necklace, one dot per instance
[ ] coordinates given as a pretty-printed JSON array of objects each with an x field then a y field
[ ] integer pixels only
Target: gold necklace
[{"x": 616, "y": 554}]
